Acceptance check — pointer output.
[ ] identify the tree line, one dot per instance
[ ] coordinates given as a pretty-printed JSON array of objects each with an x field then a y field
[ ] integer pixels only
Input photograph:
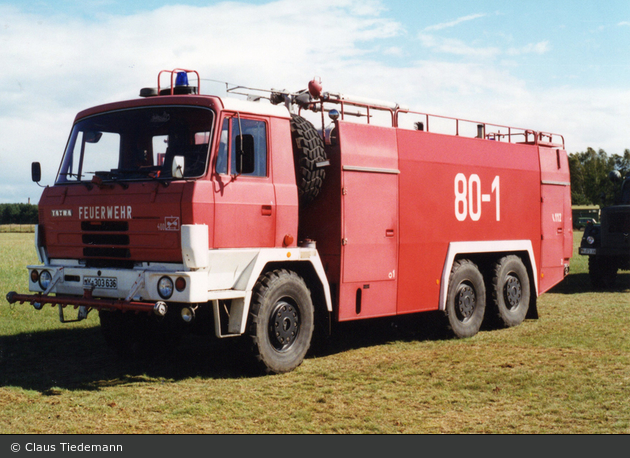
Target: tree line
[
  {"x": 590, "y": 182},
  {"x": 18, "y": 214}
]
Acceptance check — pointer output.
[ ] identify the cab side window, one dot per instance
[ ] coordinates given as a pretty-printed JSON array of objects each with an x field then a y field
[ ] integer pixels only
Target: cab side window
[{"x": 234, "y": 128}]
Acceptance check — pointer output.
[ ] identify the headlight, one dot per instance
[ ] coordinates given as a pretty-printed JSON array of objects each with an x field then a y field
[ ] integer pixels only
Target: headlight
[
  {"x": 165, "y": 287},
  {"x": 44, "y": 279},
  {"x": 590, "y": 240}
]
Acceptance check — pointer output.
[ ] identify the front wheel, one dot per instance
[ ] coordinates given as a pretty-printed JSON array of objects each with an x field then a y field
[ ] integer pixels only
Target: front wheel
[
  {"x": 602, "y": 272},
  {"x": 466, "y": 299},
  {"x": 282, "y": 321}
]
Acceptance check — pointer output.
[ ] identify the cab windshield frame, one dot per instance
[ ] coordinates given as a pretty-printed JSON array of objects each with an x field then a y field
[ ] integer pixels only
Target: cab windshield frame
[{"x": 138, "y": 144}]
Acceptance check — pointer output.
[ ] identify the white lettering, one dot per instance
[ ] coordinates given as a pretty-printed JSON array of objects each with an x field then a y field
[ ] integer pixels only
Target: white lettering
[
  {"x": 99, "y": 212},
  {"x": 32, "y": 447},
  {"x": 68, "y": 447},
  {"x": 469, "y": 199}
]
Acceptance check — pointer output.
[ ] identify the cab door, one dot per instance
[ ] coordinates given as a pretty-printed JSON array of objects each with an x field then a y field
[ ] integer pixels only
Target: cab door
[{"x": 245, "y": 207}]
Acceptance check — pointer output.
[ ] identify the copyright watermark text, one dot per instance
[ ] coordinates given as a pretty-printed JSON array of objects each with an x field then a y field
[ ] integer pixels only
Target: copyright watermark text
[{"x": 65, "y": 447}]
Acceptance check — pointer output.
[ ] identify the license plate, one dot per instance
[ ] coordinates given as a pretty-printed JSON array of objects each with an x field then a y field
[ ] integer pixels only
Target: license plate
[
  {"x": 101, "y": 282},
  {"x": 587, "y": 251}
]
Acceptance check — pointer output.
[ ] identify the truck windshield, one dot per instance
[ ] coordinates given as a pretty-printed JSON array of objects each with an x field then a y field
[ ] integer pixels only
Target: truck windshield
[{"x": 138, "y": 144}]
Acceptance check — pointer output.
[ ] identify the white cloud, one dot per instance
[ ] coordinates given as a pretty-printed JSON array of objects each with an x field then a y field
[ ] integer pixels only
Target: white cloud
[
  {"x": 457, "y": 21},
  {"x": 457, "y": 47},
  {"x": 55, "y": 66},
  {"x": 541, "y": 47}
]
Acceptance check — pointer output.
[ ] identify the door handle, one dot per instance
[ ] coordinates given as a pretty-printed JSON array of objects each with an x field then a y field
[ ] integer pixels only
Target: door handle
[{"x": 266, "y": 210}]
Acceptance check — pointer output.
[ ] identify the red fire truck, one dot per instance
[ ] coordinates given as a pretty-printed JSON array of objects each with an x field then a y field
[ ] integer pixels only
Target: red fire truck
[{"x": 179, "y": 211}]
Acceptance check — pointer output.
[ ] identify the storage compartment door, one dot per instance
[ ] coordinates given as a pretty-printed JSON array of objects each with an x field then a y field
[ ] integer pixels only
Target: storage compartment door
[{"x": 369, "y": 244}]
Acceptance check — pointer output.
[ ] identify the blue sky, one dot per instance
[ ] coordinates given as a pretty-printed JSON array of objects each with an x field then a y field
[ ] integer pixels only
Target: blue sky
[{"x": 557, "y": 66}]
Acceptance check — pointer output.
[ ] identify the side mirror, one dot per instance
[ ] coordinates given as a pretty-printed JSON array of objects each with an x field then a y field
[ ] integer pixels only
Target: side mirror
[
  {"x": 92, "y": 137},
  {"x": 36, "y": 172},
  {"x": 177, "y": 168},
  {"x": 245, "y": 162}
]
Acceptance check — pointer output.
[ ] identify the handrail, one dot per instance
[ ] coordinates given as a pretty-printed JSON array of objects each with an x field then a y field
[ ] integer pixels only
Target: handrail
[
  {"x": 316, "y": 101},
  {"x": 318, "y": 106},
  {"x": 173, "y": 73},
  {"x": 511, "y": 134}
]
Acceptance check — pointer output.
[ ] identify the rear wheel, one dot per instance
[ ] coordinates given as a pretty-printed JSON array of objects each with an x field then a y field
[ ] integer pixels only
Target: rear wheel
[
  {"x": 510, "y": 290},
  {"x": 466, "y": 299},
  {"x": 282, "y": 321}
]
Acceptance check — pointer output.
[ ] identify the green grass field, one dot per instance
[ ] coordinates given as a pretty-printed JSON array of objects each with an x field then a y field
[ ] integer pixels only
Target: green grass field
[{"x": 567, "y": 372}]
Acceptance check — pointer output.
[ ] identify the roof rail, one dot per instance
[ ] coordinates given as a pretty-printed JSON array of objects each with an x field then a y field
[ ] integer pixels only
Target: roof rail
[
  {"x": 364, "y": 107},
  {"x": 343, "y": 105}
]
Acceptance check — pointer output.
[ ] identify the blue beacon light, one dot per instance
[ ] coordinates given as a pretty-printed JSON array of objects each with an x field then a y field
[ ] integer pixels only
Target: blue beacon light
[{"x": 182, "y": 79}]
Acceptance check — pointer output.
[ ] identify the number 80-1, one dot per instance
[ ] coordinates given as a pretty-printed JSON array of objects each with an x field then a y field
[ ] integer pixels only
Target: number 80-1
[{"x": 468, "y": 197}]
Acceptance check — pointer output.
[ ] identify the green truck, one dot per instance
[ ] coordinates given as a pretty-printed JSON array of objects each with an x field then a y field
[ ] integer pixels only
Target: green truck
[{"x": 607, "y": 244}]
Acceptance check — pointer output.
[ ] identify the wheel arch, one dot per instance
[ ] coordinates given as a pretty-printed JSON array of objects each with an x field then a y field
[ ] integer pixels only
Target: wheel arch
[
  {"x": 320, "y": 291},
  {"x": 304, "y": 262},
  {"x": 485, "y": 254}
]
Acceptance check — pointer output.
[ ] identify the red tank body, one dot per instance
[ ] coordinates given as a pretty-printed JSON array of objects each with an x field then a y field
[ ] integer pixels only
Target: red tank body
[{"x": 398, "y": 198}]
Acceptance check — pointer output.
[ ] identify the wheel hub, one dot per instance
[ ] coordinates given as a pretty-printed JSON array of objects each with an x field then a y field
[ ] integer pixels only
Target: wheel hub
[
  {"x": 512, "y": 292},
  {"x": 284, "y": 325},
  {"x": 466, "y": 302}
]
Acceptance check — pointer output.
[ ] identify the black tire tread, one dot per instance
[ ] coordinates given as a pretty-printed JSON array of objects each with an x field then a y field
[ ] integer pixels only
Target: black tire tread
[
  {"x": 308, "y": 152},
  {"x": 264, "y": 286},
  {"x": 602, "y": 272},
  {"x": 457, "y": 328},
  {"x": 504, "y": 316}
]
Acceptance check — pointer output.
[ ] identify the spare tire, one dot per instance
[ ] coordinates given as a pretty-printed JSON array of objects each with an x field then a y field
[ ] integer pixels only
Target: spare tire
[{"x": 309, "y": 158}]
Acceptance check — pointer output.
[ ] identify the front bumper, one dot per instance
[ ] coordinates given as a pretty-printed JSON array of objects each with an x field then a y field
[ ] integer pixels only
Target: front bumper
[
  {"x": 606, "y": 251},
  {"x": 122, "y": 289},
  {"x": 137, "y": 285}
]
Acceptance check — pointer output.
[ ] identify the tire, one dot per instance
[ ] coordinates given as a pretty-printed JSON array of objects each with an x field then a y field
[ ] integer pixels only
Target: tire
[
  {"x": 602, "y": 272},
  {"x": 281, "y": 321},
  {"x": 138, "y": 335},
  {"x": 308, "y": 152},
  {"x": 466, "y": 299},
  {"x": 510, "y": 291}
]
